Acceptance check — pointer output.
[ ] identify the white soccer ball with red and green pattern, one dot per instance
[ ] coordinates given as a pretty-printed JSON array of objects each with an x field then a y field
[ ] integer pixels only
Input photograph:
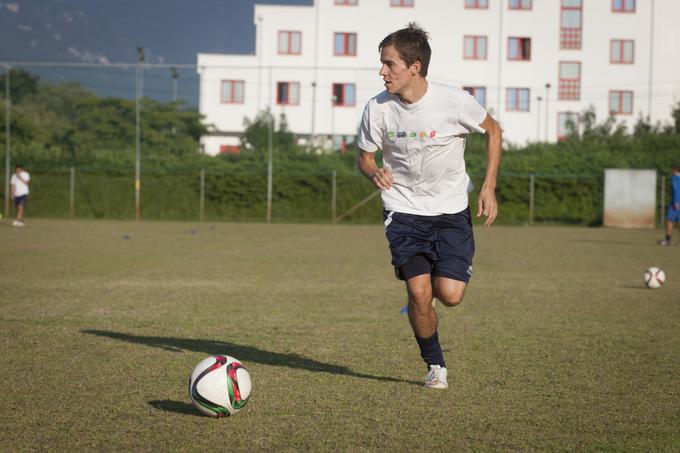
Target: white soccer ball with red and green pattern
[
  {"x": 654, "y": 278},
  {"x": 219, "y": 386}
]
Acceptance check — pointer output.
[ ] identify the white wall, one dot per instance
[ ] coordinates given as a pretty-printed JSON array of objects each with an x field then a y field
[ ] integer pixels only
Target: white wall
[{"x": 448, "y": 22}]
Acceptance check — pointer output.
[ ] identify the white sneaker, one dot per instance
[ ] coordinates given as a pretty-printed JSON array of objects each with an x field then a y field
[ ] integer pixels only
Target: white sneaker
[{"x": 436, "y": 377}]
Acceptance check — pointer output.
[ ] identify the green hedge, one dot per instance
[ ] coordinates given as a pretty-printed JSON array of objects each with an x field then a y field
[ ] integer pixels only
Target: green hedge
[{"x": 568, "y": 183}]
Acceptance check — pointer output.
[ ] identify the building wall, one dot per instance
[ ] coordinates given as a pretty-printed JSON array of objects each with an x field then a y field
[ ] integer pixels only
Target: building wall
[{"x": 316, "y": 68}]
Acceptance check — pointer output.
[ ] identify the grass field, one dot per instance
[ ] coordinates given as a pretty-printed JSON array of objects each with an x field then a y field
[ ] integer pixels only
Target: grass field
[{"x": 557, "y": 347}]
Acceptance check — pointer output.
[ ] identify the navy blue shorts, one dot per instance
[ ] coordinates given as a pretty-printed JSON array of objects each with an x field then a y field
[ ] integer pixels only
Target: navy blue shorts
[
  {"x": 440, "y": 245},
  {"x": 20, "y": 201},
  {"x": 672, "y": 214}
]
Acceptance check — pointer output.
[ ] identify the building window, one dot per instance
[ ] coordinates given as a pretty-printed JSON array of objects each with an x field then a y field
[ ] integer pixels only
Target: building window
[
  {"x": 345, "y": 44},
  {"x": 230, "y": 149},
  {"x": 571, "y": 17},
  {"x": 474, "y": 48},
  {"x": 519, "y": 49},
  {"x": 288, "y": 93},
  {"x": 232, "y": 91},
  {"x": 347, "y": 2},
  {"x": 622, "y": 51},
  {"x": 477, "y": 4},
  {"x": 290, "y": 43},
  {"x": 344, "y": 94},
  {"x": 517, "y": 100},
  {"x": 479, "y": 94},
  {"x": 401, "y": 2},
  {"x": 568, "y": 124},
  {"x": 621, "y": 102},
  {"x": 520, "y": 4},
  {"x": 623, "y": 6},
  {"x": 569, "y": 88}
]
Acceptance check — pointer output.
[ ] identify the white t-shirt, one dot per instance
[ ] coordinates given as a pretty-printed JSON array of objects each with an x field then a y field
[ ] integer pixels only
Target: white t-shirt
[
  {"x": 20, "y": 187},
  {"x": 423, "y": 145}
]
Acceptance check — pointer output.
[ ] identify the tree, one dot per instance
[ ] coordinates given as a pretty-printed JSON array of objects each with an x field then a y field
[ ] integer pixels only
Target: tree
[
  {"x": 608, "y": 128},
  {"x": 256, "y": 135},
  {"x": 676, "y": 118},
  {"x": 21, "y": 85},
  {"x": 643, "y": 126},
  {"x": 68, "y": 123}
]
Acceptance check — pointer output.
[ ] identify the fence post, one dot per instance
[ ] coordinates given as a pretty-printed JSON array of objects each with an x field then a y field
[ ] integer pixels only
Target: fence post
[
  {"x": 8, "y": 140},
  {"x": 333, "y": 194},
  {"x": 72, "y": 194},
  {"x": 270, "y": 149},
  {"x": 531, "y": 199},
  {"x": 202, "y": 202}
]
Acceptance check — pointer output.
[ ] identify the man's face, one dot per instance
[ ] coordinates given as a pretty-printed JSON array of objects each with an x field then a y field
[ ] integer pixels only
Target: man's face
[
  {"x": 394, "y": 71},
  {"x": 18, "y": 170}
]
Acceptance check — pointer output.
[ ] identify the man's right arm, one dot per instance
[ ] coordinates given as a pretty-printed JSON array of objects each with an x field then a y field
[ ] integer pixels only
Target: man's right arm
[{"x": 380, "y": 177}]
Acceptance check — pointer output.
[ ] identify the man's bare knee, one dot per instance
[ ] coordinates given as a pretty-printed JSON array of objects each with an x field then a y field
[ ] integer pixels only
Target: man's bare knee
[
  {"x": 449, "y": 292},
  {"x": 451, "y": 300},
  {"x": 420, "y": 295}
]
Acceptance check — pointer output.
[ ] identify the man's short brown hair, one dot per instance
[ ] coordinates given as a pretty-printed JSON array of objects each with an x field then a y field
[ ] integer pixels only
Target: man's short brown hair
[{"x": 411, "y": 43}]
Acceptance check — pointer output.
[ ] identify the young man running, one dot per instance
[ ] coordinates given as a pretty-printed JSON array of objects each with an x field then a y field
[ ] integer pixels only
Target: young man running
[{"x": 420, "y": 127}]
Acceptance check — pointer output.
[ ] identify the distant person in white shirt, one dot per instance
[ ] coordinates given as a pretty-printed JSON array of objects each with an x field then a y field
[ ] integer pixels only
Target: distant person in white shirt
[
  {"x": 420, "y": 128},
  {"x": 19, "y": 182}
]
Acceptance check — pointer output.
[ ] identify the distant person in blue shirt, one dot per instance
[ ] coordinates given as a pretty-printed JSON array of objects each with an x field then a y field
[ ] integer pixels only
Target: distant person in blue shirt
[{"x": 673, "y": 212}]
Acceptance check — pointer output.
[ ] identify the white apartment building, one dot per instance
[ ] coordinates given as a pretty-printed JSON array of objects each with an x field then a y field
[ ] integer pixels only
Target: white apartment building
[{"x": 534, "y": 64}]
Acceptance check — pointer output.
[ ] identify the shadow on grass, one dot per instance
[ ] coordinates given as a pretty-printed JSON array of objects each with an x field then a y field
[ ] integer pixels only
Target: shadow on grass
[
  {"x": 245, "y": 353},
  {"x": 178, "y": 407}
]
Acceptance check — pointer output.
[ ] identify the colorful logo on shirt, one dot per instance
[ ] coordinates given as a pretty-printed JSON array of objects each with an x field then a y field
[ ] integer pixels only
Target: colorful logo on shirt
[{"x": 411, "y": 135}]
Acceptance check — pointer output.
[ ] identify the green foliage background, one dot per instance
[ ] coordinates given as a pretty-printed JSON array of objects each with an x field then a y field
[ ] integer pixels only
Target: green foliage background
[{"x": 58, "y": 127}]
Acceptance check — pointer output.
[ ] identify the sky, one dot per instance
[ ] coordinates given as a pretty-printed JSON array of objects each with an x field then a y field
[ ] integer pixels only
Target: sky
[{"x": 109, "y": 31}]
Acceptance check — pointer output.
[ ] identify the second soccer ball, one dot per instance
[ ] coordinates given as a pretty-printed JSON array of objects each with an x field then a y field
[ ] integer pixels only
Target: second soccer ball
[{"x": 654, "y": 278}]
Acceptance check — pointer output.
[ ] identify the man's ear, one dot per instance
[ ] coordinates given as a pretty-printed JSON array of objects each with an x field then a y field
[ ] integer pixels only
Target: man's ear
[{"x": 415, "y": 67}]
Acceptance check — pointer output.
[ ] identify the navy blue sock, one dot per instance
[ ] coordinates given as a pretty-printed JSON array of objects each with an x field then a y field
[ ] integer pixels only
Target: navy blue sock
[{"x": 431, "y": 350}]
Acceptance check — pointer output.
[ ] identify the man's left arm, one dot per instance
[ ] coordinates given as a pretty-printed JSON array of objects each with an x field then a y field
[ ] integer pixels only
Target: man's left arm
[{"x": 486, "y": 204}]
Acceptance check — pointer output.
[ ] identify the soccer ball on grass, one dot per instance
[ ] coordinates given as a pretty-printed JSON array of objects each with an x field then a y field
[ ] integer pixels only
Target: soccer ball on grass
[
  {"x": 654, "y": 278},
  {"x": 219, "y": 386}
]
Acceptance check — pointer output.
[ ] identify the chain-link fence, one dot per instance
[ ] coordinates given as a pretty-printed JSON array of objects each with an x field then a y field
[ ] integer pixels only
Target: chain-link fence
[{"x": 345, "y": 196}]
